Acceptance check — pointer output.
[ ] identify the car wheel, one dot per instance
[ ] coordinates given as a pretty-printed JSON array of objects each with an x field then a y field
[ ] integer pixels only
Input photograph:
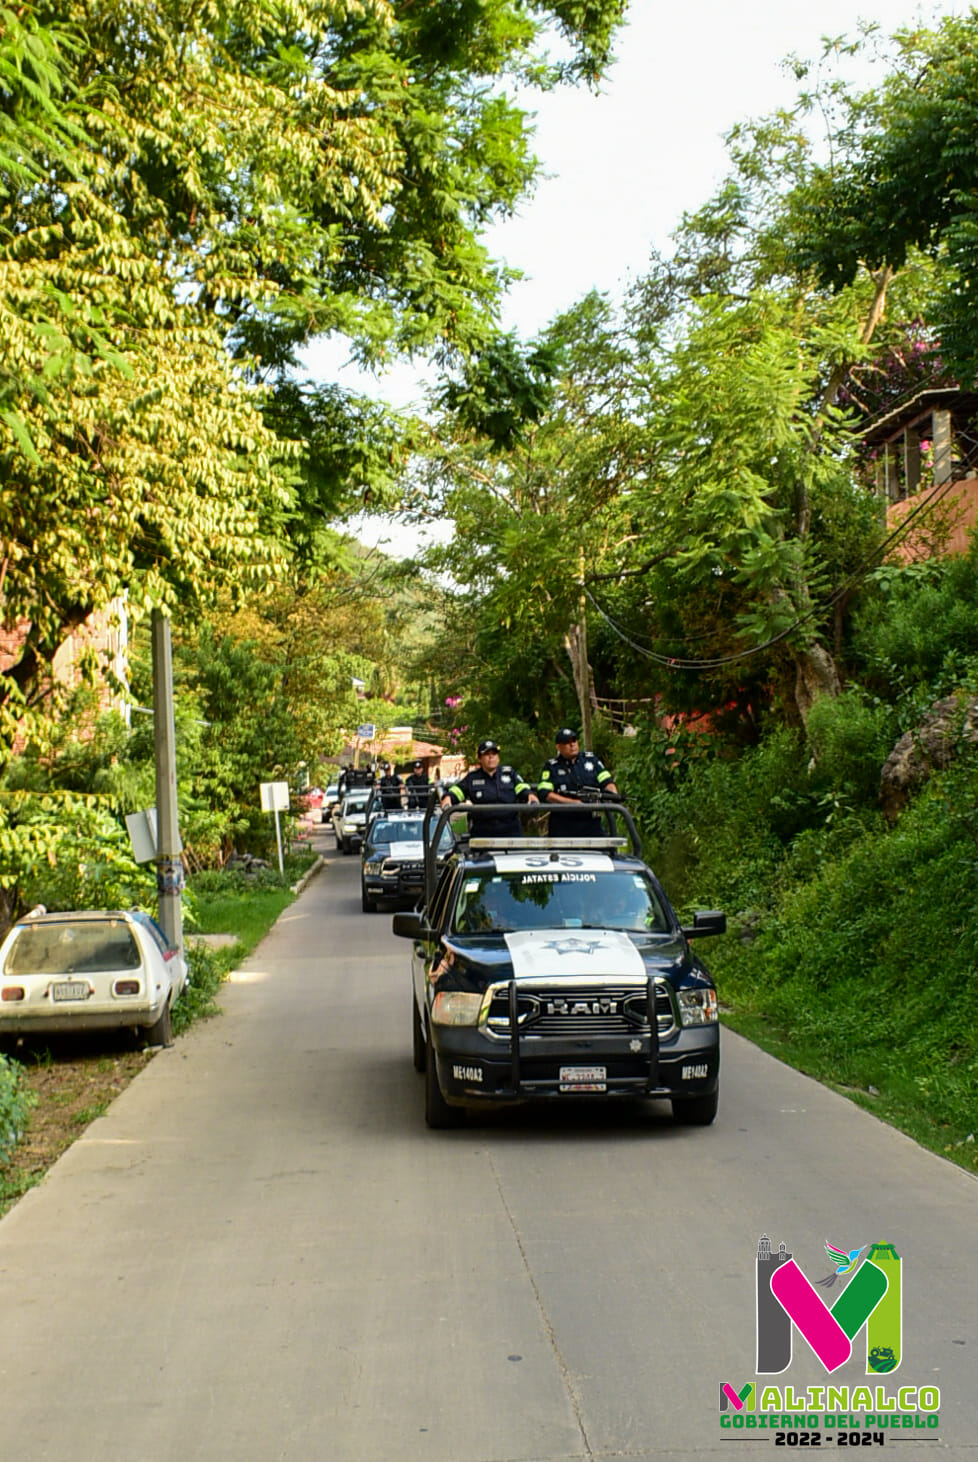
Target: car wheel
[
  {"x": 697, "y": 1111},
  {"x": 419, "y": 1041},
  {"x": 367, "y": 904},
  {"x": 160, "y": 1033},
  {"x": 437, "y": 1113}
]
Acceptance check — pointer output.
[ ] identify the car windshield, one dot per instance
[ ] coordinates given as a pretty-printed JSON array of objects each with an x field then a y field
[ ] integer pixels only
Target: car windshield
[
  {"x": 391, "y": 830},
  {"x": 559, "y": 899},
  {"x": 356, "y": 803},
  {"x": 72, "y": 949}
]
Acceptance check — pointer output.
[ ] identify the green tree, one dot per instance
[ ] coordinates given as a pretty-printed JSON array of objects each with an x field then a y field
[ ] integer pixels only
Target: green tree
[
  {"x": 531, "y": 459},
  {"x": 195, "y": 191}
]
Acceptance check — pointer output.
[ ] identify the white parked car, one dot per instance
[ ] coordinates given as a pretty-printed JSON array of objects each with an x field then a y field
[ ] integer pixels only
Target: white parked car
[{"x": 91, "y": 970}]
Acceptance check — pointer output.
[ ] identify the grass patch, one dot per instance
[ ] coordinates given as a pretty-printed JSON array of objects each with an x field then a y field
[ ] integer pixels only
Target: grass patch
[
  {"x": 890, "y": 1092},
  {"x": 88, "y": 1114},
  {"x": 68, "y": 1087},
  {"x": 248, "y": 914},
  {"x": 246, "y": 905}
]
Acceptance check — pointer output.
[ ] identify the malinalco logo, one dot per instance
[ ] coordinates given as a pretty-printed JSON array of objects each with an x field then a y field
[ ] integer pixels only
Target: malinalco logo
[{"x": 787, "y": 1301}]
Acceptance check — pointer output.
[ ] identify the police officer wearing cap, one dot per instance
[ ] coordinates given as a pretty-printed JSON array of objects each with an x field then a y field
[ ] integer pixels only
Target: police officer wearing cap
[
  {"x": 417, "y": 785},
  {"x": 390, "y": 786},
  {"x": 564, "y": 778},
  {"x": 491, "y": 783}
]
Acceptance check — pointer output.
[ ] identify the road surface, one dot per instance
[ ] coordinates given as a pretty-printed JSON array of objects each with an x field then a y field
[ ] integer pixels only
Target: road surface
[{"x": 260, "y": 1252}]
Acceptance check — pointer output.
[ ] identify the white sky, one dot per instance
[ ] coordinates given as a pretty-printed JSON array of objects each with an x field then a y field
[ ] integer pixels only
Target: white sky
[{"x": 622, "y": 166}]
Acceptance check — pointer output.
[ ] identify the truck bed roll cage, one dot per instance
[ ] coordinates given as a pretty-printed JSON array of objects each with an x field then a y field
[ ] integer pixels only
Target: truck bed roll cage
[{"x": 437, "y": 818}]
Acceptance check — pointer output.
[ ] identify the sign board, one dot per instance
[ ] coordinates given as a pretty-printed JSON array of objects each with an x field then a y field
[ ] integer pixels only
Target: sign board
[
  {"x": 368, "y": 732},
  {"x": 142, "y": 835},
  {"x": 274, "y": 796}
]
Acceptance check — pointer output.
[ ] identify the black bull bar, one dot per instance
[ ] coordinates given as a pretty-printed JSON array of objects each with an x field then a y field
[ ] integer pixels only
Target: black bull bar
[{"x": 624, "y": 1085}]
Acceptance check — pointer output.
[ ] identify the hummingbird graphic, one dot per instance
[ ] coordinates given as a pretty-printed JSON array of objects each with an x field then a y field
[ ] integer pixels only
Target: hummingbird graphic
[{"x": 843, "y": 1259}]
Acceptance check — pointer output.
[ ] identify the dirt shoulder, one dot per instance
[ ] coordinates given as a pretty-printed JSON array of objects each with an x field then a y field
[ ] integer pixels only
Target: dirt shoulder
[{"x": 71, "y": 1091}]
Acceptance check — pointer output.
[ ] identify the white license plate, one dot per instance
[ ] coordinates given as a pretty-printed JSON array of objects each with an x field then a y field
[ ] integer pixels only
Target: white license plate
[
  {"x": 583, "y": 1078},
  {"x": 71, "y": 990}
]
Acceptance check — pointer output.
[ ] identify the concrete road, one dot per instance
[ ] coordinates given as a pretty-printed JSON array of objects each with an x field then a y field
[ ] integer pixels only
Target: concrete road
[{"x": 261, "y": 1253}]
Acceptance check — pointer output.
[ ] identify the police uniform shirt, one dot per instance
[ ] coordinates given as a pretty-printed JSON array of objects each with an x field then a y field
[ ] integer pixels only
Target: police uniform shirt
[
  {"x": 568, "y": 777},
  {"x": 390, "y": 789},
  {"x": 418, "y": 785},
  {"x": 504, "y": 785}
]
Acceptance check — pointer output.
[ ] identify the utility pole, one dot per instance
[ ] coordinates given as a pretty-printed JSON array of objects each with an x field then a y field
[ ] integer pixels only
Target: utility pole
[{"x": 169, "y": 865}]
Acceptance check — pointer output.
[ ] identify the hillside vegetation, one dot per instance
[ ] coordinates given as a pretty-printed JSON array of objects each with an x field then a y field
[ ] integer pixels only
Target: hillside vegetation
[{"x": 853, "y": 942}]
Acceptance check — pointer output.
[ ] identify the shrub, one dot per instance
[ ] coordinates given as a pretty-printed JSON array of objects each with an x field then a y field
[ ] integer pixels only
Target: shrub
[
  {"x": 207, "y": 968},
  {"x": 850, "y": 739},
  {"x": 873, "y": 963},
  {"x": 916, "y": 638},
  {"x": 15, "y": 1104},
  {"x": 716, "y": 830},
  {"x": 67, "y": 851}
]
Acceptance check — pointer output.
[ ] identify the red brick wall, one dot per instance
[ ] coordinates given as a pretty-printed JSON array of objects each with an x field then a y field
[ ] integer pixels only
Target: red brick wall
[
  {"x": 944, "y": 528},
  {"x": 105, "y": 631}
]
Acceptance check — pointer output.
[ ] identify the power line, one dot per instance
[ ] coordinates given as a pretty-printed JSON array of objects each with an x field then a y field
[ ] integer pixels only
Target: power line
[{"x": 676, "y": 662}]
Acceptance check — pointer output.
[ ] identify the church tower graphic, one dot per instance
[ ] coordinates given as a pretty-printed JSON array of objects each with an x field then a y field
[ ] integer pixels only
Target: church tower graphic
[{"x": 773, "y": 1323}]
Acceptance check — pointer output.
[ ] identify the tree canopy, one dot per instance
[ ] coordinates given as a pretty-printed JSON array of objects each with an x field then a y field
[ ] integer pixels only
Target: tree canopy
[
  {"x": 187, "y": 194},
  {"x": 905, "y": 179}
]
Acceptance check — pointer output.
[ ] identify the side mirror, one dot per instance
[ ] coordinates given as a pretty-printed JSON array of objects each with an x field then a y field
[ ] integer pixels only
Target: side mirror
[
  {"x": 707, "y": 921},
  {"x": 409, "y": 926}
]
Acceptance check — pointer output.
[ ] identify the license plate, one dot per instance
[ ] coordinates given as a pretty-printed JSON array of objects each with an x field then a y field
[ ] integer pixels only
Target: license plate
[
  {"x": 583, "y": 1078},
  {"x": 71, "y": 990}
]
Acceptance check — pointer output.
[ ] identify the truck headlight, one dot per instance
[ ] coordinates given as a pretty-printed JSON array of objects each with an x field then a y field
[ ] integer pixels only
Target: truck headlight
[
  {"x": 697, "y": 1007},
  {"x": 373, "y": 868},
  {"x": 456, "y": 1007}
]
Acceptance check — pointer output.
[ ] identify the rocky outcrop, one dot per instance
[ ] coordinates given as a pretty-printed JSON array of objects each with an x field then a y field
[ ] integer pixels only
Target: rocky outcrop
[{"x": 927, "y": 748}]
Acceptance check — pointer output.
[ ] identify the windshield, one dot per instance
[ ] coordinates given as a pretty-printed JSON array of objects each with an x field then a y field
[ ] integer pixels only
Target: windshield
[
  {"x": 73, "y": 949},
  {"x": 562, "y": 899},
  {"x": 357, "y": 803},
  {"x": 408, "y": 831}
]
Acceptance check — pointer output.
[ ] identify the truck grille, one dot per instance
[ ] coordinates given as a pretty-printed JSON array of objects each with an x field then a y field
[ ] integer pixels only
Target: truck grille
[
  {"x": 409, "y": 870},
  {"x": 574, "y": 1012}
]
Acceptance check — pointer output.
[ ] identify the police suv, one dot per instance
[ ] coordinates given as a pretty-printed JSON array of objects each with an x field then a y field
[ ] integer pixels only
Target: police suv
[{"x": 536, "y": 964}]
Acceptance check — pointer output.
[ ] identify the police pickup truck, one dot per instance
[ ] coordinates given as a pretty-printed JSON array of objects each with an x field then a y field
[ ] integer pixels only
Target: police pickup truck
[{"x": 536, "y": 964}]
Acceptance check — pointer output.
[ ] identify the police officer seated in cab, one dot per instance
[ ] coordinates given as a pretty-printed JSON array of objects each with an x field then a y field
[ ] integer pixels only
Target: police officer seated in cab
[
  {"x": 390, "y": 786},
  {"x": 491, "y": 783},
  {"x": 565, "y": 777},
  {"x": 417, "y": 785}
]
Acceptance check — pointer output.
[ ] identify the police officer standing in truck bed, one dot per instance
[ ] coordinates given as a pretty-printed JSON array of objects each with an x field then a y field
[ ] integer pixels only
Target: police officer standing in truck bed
[
  {"x": 418, "y": 786},
  {"x": 491, "y": 783},
  {"x": 565, "y": 777}
]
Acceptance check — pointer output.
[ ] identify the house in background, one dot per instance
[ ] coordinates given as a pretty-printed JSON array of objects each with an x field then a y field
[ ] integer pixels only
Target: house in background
[
  {"x": 926, "y": 462},
  {"x": 106, "y": 633}
]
